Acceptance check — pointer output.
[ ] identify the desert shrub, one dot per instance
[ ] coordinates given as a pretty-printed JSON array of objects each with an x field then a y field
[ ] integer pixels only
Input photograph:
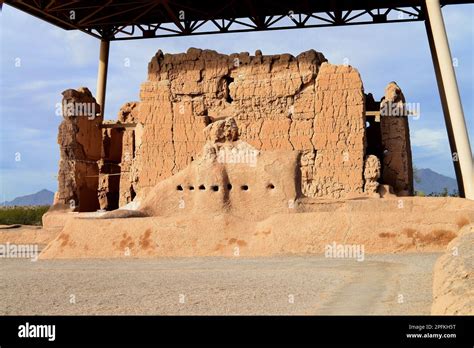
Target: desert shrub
[{"x": 22, "y": 215}]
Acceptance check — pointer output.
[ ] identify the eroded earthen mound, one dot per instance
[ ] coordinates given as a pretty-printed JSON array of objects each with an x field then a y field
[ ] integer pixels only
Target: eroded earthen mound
[{"x": 453, "y": 280}]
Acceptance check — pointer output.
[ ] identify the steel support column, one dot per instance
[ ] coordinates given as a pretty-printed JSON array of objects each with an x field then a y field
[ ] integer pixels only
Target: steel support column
[
  {"x": 102, "y": 74},
  {"x": 450, "y": 99}
]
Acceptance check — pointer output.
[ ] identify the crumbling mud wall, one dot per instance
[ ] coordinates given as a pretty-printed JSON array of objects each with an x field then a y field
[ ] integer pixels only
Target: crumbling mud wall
[
  {"x": 109, "y": 168},
  {"x": 131, "y": 140},
  {"x": 397, "y": 163},
  {"x": 215, "y": 183},
  {"x": 221, "y": 207},
  {"x": 280, "y": 102},
  {"x": 338, "y": 135},
  {"x": 80, "y": 147},
  {"x": 271, "y": 97}
]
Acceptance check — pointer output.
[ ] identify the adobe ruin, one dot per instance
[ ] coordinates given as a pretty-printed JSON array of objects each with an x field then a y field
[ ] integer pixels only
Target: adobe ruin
[
  {"x": 235, "y": 200},
  {"x": 254, "y": 155},
  {"x": 299, "y": 104}
]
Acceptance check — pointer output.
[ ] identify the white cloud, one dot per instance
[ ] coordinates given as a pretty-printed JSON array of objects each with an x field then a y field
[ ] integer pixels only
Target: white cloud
[
  {"x": 434, "y": 140},
  {"x": 81, "y": 49}
]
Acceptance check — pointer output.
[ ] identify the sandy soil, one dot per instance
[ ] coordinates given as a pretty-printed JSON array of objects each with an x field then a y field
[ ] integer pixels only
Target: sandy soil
[
  {"x": 27, "y": 234},
  {"x": 382, "y": 284}
]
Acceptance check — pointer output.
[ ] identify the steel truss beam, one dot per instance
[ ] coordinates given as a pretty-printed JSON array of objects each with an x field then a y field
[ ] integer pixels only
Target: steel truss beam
[
  {"x": 291, "y": 20},
  {"x": 141, "y": 19}
]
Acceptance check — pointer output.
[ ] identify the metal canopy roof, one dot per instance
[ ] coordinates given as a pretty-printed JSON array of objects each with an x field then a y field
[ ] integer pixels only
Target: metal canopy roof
[{"x": 127, "y": 19}]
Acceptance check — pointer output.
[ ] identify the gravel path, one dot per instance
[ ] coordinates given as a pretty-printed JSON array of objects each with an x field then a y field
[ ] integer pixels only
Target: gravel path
[{"x": 382, "y": 284}]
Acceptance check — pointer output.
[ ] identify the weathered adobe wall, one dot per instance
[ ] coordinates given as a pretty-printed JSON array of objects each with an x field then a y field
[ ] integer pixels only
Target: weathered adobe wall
[
  {"x": 79, "y": 142},
  {"x": 280, "y": 103},
  {"x": 131, "y": 139},
  {"x": 338, "y": 134},
  {"x": 186, "y": 92},
  {"x": 210, "y": 186},
  {"x": 395, "y": 135},
  {"x": 109, "y": 168}
]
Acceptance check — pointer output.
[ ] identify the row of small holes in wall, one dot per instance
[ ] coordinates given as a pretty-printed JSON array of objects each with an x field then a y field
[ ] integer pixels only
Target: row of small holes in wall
[{"x": 216, "y": 188}]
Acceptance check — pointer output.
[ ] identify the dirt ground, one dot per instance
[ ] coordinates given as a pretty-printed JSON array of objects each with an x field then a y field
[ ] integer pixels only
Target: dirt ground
[{"x": 308, "y": 285}]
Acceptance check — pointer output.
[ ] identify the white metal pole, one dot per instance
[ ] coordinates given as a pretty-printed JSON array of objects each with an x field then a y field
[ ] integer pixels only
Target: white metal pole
[{"x": 451, "y": 93}]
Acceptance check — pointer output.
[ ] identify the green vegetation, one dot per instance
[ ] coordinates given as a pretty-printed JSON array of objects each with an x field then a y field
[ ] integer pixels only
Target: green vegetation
[
  {"x": 22, "y": 215},
  {"x": 444, "y": 193}
]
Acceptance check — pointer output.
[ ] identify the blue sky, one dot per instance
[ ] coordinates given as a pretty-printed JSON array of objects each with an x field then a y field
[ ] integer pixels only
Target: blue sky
[{"x": 38, "y": 61}]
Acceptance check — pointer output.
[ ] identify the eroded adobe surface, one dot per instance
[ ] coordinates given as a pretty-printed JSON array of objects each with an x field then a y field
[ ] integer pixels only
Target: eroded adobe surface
[
  {"x": 221, "y": 181},
  {"x": 79, "y": 142},
  {"x": 271, "y": 97},
  {"x": 397, "y": 164},
  {"x": 220, "y": 205},
  {"x": 280, "y": 102},
  {"x": 453, "y": 280}
]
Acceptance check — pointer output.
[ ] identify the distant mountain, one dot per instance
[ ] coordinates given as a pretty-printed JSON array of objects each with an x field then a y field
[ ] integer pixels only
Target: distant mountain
[
  {"x": 43, "y": 197},
  {"x": 432, "y": 182}
]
